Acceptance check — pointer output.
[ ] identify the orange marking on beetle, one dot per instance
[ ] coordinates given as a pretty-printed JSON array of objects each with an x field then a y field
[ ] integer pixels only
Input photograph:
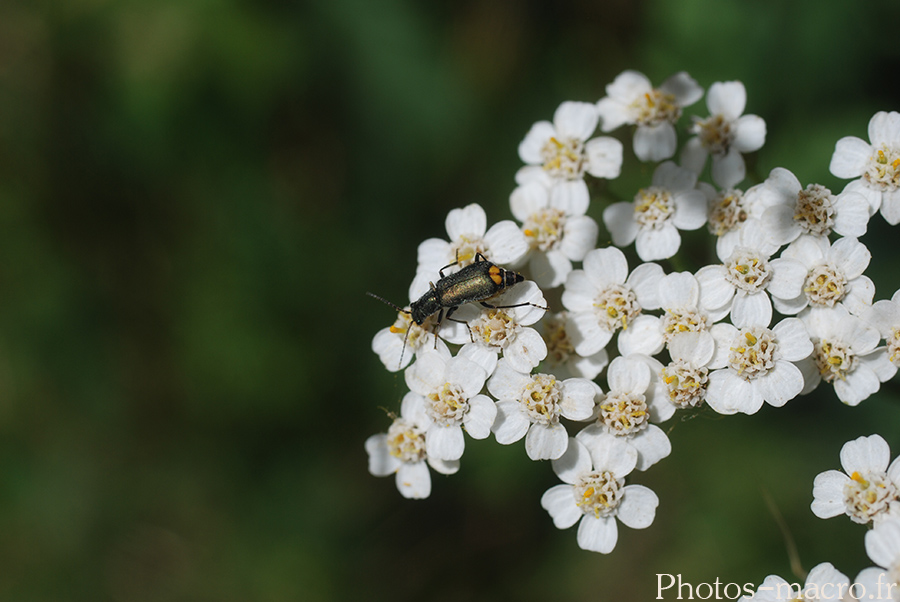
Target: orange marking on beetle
[{"x": 496, "y": 276}]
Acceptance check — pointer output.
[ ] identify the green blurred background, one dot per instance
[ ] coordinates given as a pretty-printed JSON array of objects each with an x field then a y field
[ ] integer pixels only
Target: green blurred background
[{"x": 194, "y": 196}]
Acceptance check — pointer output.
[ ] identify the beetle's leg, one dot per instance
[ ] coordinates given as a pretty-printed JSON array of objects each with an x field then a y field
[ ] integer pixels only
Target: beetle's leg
[
  {"x": 437, "y": 327},
  {"x": 483, "y": 258},
  {"x": 489, "y": 306},
  {"x": 469, "y": 328},
  {"x": 449, "y": 265}
]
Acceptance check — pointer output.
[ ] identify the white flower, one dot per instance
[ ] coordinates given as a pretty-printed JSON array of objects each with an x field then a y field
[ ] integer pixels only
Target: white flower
[
  {"x": 603, "y": 298},
  {"x": 685, "y": 311},
  {"x": 824, "y": 582},
  {"x": 759, "y": 366},
  {"x": 507, "y": 328},
  {"x": 845, "y": 355},
  {"x": 503, "y": 243},
  {"x": 813, "y": 210},
  {"x": 884, "y": 315},
  {"x": 595, "y": 493},
  {"x": 833, "y": 275},
  {"x": 402, "y": 451},
  {"x": 562, "y": 361},
  {"x": 631, "y": 99},
  {"x": 741, "y": 285},
  {"x": 558, "y": 232},
  {"x": 877, "y": 165},
  {"x": 883, "y": 548},
  {"x": 563, "y": 151},
  {"x": 397, "y": 344},
  {"x": 653, "y": 219},
  {"x": 636, "y": 396},
  {"x": 450, "y": 390},
  {"x": 870, "y": 492},
  {"x": 725, "y": 134},
  {"x": 530, "y": 406}
]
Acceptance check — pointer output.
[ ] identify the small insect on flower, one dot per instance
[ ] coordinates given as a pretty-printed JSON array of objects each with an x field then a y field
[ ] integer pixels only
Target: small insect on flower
[{"x": 475, "y": 283}]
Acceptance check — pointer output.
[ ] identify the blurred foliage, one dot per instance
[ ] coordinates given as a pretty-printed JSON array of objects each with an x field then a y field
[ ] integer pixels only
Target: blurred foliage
[{"x": 194, "y": 196}]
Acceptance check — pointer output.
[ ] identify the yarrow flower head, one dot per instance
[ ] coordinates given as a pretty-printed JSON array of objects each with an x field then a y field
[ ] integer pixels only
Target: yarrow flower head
[
  {"x": 652, "y": 221},
  {"x": 868, "y": 489},
  {"x": 402, "y": 451},
  {"x": 557, "y": 230},
  {"x": 594, "y": 493},
  {"x": 603, "y": 298},
  {"x": 530, "y": 406},
  {"x": 875, "y": 164},
  {"x": 833, "y": 275},
  {"x": 844, "y": 355},
  {"x": 397, "y": 344},
  {"x": 635, "y": 398},
  {"x": 742, "y": 283},
  {"x": 450, "y": 390},
  {"x": 759, "y": 366},
  {"x": 506, "y": 328},
  {"x": 686, "y": 377},
  {"x": 631, "y": 99},
  {"x": 726, "y": 134},
  {"x": 814, "y": 210},
  {"x": 565, "y": 151}
]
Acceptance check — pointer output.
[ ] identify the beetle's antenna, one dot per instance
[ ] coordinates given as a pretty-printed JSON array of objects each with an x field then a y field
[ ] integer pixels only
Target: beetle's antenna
[
  {"x": 383, "y": 300},
  {"x": 400, "y": 309}
]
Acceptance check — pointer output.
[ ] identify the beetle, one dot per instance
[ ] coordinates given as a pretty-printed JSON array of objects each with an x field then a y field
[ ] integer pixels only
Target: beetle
[{"x": 475, "y": 283}]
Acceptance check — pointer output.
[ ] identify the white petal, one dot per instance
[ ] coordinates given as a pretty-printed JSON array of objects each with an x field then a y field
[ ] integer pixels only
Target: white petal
[
  {"x": 638, "y": 507},
  {"x": 751, "y": 310},
  {"x": 586, "y": 334},
  {"x": 604, "y": 156},
  {"x": 486, "y": 357},
  {"x": 693, "y": 155},
  {"x": 579, "y": 237},
  {"x": 559, "y": 502},
  {"x": 527, "y": 351},
  {"x": 577, "y": 401},
  {"x": 506, "y": 242},
  {"x": 381, "y": 462},
  {"x": 883, "y": 543},
  {"x": 851, "y": 217},
  {"x": 576, "y": 120},
  {"x": 465, "y": 373},
  {"x": 679, "y": 290},
  {"x": 890, "y": 206},
  {"x": 644, "y": 281},
  {"x": 683, "y": 87},
  {"x": 653, "y": 445},
  {"x": 609, "y": 452},
  {"x": 655, "y": 143},
  {"x": 480, "y": 417},
  {"x": 729, "y": 393},
  {"x": 445, "y": 442},
  {"x": 469, "y": 221},
  {"x": 546, "y": 442},
  {"x": 414, "y": 480},
  {"x": 783, "y": 383},
  {"x": 727, "y": 99},
  {"x": 507, "y": 383},
  {"x": 580, "y": 292},
  {"x": 606, "y": 266},
  {"x": 427, "y": 374},
  {"x": 528, "y": 199},
  {"x": 597, "y": 534},
  {"x": 715, "y": 291},
  {"x": 662, "y": 243},
  {"x": 858, "y": 386},
  {"x": 571, "y": 194},
  {"x": 676, "y": 179},
  {"x": 850, "y": 256},
  {"x": 620, "y": 222},
  {"x": 643, "y": 335},
  {"x": 788, "y": 277},
  {"x": 531, "y": 146},
  {"x": 575, "y": 461},
  {"x": 613, "y": 114},
  {"x": 628, "y": 375},
  {"x": 751, "y": 133},
  {"x": 884, "y": 129},
  {"x": 850, "y": 158},
  {"x": 865, "y": 454},
  {"x": 511, "y": 424},
  {"x": 793, "y": 339},
  {"x": 828, "y": 494},
  {"x": 728, "y": 169},
  {"x": 629, "y": 86},
  {"x": 690, "y": 210}
]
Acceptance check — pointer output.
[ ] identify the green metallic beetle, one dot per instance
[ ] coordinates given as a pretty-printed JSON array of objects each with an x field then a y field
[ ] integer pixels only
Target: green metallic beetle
[{"x": 474, "y": 283}]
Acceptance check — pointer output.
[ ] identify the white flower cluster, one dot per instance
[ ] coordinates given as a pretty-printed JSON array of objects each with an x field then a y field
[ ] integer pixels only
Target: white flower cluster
[{"x": 785, "y": 306}]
